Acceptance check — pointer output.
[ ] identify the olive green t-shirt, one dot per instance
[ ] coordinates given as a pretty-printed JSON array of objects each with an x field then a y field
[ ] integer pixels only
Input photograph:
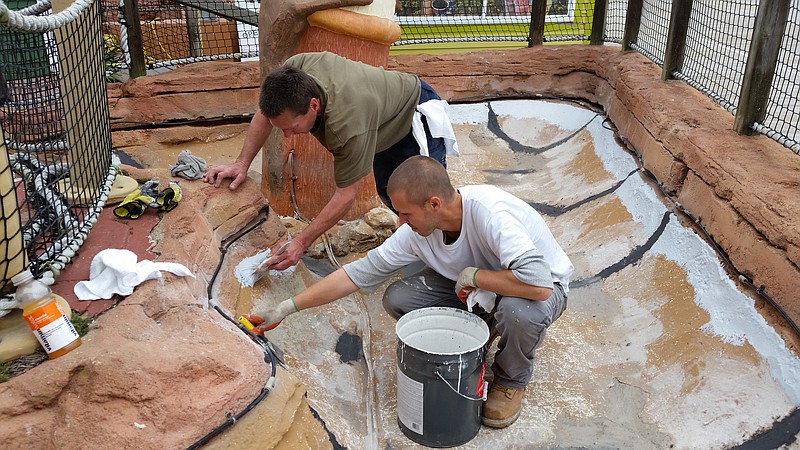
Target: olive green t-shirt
[{"x": 366, "y": 110}]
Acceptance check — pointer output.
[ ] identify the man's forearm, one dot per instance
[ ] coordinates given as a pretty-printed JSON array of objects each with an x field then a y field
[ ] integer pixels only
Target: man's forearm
[
  {"x": 331, "y": 213},
  {"x": 504, "y": 282},
  {"x": 326, "y": 290},
  {"x": 257, "y": 134}
]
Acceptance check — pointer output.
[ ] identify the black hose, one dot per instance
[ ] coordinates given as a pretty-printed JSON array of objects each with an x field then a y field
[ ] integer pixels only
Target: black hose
[{"x": 269, "y": 356}]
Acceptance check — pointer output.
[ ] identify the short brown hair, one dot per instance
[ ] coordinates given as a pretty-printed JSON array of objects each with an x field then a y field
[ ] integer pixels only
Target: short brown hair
[
  {"x": 420, "y": 178},
  {"x": 287, "y": 88}
]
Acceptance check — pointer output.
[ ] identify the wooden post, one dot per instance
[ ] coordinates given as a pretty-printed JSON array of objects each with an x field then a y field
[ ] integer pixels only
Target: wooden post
[
  {"x": 135, "y": 44},
  {"x": 765, "y": 47},
  {"x": 598, "y": 22},
  {"x": 13, "y": 258},
  {"x": 676, "y": 39},
  {"x": 538, "y": 13},
  {"x": 193, "y": 31},
  {"x": 633, "y": 20}
]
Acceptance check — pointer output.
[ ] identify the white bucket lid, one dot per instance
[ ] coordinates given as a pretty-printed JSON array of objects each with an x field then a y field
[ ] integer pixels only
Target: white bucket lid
[{"x": 442, "y": 331}]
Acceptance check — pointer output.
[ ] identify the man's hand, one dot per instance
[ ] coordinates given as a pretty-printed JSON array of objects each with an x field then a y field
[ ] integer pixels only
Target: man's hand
[
  {"x": 283, "y": 258},
  {"x": 271, "y": 318},
  {"x": 466, "y": 283},
  {"x": 235, "y": 170}
]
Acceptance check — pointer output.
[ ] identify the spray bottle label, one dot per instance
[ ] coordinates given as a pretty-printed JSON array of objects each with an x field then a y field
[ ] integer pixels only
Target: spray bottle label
[{"x": 51, "y": 327}]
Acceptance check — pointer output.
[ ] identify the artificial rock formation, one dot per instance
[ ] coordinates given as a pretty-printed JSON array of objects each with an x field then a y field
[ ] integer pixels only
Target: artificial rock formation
[{"x": 162, "y": 369}]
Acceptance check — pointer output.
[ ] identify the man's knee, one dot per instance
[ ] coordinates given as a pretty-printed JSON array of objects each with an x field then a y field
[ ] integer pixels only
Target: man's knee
[
  {"x": 522, "y": 314},
  {"x": 393, "y": 300}
]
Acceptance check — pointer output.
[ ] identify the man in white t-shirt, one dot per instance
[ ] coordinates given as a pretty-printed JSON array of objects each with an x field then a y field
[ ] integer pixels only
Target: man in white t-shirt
[{"x": 474, "y": 241}]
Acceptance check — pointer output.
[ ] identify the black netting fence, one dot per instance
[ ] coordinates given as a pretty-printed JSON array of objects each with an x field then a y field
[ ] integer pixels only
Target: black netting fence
[
  {"x": 783, "y": 111},
  {"x": 55, "y": 151},
  {"x": 716, "y": 49},
  {"x": 174, "y": 33},
  {"x": 652, "y": 38}
]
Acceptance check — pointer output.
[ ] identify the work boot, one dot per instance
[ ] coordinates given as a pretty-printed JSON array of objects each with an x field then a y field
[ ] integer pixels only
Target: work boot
[{"x": 502, "y": 406}]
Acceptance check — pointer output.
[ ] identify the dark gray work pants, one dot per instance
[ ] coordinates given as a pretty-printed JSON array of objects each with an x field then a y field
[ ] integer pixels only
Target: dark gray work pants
[{"x": 522, "y": 323}]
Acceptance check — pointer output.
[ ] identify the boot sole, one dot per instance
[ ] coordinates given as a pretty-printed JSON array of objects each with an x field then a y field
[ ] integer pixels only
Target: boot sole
[{"x": 500, "y": 423}]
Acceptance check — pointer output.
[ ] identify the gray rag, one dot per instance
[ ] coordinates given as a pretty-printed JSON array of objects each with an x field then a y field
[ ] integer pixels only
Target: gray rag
[{"x": 189, "y": 166}]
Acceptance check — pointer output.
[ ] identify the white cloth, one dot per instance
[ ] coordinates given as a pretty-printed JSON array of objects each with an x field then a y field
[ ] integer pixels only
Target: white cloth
[
  {"x": 435, "y": 113},
  {"x": 116, "y": 271},
  {"x": 481, "y": 297}
]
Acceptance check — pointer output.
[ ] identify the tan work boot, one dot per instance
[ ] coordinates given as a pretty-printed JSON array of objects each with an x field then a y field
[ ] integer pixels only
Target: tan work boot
[{"x": 502, "y": 406}]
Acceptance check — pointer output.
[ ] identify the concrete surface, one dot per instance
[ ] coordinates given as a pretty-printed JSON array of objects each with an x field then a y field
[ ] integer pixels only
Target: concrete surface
[{"x": 659, "y": 347}]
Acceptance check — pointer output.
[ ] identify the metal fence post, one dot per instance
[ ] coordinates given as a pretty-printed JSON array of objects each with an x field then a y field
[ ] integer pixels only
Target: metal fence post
[
  {"x": 538, "y": 12},
  {"x": 676, "y": 39},
  {"x": 598, "y": 22},
  {"x": 135, "y": 45},
  {"x": 765, "y": 47},
  {"x": 633, "y": 20}
]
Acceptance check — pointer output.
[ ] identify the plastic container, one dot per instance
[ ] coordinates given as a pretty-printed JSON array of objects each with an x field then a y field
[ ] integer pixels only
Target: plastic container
[
  {"x": 441, "y": 360},
  {"x": 41, "y": 309}
]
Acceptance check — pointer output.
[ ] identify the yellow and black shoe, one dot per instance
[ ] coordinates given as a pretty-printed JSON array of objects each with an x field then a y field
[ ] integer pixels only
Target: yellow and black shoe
[
  {"x": 133, "y": 206},
  {"x": 168, "y": 198}
]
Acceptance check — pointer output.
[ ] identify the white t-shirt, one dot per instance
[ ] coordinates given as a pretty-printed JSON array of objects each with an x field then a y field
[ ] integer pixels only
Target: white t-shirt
[{"x": 496, "y": 229}]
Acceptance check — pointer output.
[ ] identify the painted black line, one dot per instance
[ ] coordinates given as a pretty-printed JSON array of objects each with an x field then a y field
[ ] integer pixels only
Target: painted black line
[
  {"x": 633, "y": 257},
  {"x": 494, "y": 126},
  {"x": 783, "y": 432},
  {"x": 555, "y": 211}
]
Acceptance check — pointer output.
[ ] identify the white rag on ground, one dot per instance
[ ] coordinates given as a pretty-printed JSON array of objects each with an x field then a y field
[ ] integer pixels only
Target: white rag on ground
[
  {"x": 481, "y": 297},
  {"x": 116, "y": 271},
  {"x": 435, "y": 113}
]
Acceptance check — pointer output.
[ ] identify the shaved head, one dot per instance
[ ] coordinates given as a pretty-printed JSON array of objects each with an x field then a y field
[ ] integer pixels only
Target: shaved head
[{"x": 420, "y": 178}]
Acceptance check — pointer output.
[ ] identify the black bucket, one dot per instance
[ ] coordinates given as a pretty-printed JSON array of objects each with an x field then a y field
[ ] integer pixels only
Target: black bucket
[{"x": 441, "y": 360}]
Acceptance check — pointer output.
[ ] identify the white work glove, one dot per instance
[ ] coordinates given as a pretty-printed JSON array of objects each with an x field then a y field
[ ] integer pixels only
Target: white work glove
[
  {"x": 271, "y": 318},
  {"x": 466, "y": 283}
]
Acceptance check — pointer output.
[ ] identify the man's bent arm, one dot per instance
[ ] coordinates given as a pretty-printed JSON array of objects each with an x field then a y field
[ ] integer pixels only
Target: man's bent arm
[
  {"x": 257, "y": 134},
  {"x": 529, "y": 277},
  {"x": 332, "y": 212},
  {"x": 504, "y": 282}
]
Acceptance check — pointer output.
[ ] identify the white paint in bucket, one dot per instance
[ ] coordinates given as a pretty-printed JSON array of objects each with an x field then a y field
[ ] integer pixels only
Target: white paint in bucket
[{"x": 442, "y": 331}]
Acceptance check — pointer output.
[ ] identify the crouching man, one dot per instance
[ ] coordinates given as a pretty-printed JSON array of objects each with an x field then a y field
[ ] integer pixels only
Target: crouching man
[{"x": 477, "y": 239}]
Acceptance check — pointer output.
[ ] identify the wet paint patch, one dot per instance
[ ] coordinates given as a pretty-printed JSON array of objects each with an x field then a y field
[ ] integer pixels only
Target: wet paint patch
[{"x": 349, "y": 348}]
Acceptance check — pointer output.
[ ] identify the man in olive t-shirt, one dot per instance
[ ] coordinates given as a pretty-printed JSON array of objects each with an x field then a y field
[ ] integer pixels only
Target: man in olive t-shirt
[{"x": 362, "y": 114}]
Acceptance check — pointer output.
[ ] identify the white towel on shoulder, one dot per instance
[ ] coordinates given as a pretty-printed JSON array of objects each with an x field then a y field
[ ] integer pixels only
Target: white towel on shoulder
[
  {"x": 435, "y": 112},
  {"x": 116, "y": 271}
]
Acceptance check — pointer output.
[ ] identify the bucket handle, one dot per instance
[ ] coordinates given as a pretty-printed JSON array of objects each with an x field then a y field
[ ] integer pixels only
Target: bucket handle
[{"x": 475, "y": 399}]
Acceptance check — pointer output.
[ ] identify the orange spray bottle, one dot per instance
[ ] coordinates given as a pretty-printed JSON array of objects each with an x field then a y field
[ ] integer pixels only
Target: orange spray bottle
[{"x": 41, "y": 309}]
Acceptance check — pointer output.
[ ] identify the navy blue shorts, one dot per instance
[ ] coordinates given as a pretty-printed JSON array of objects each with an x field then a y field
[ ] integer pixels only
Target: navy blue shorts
[{"x": 386, "y": 161}]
